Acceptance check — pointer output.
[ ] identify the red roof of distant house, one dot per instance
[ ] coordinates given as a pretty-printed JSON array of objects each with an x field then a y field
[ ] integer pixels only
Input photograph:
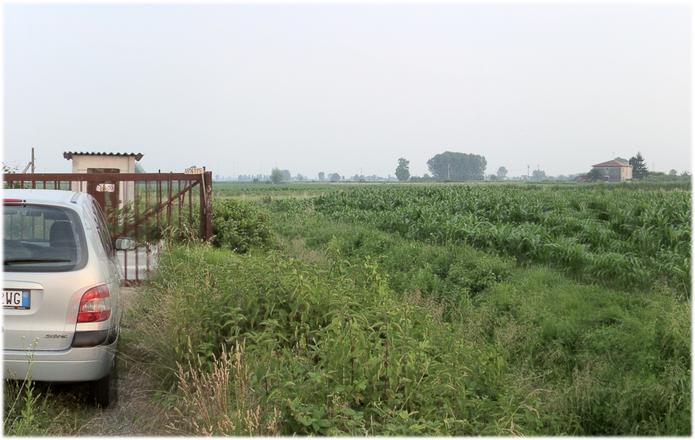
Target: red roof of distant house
[
  {"x": 611, "y": 163},
  {"x": 68, "y": 154}
]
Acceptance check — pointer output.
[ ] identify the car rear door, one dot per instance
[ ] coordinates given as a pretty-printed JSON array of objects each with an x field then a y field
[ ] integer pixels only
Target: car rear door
[
  {"x": 45, "y": 264},
  {"x": 109, "y": 262}
]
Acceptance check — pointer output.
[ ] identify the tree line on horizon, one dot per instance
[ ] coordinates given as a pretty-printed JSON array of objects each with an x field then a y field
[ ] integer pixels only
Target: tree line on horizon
[
  {"x": 454, "y": 166},
  {"x": 461, "y": 167}
]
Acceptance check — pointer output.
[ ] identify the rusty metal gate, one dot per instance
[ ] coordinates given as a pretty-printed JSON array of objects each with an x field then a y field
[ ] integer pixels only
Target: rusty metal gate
[{"x": 148, "y": 207}]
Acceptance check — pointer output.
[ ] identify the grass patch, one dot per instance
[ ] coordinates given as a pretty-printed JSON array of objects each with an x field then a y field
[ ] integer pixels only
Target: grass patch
[
  {"x": 330, "y": 347},
  {"x": 591, "y": 360}
]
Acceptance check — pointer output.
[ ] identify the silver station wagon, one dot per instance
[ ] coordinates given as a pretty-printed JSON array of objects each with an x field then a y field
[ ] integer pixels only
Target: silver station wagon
[{"x": 61, "y": 282}]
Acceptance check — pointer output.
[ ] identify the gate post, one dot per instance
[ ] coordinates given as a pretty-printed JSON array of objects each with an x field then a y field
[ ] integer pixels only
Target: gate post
[{"x": 206, "y": 205}]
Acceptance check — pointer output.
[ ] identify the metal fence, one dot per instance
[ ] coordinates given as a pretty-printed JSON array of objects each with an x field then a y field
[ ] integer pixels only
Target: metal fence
[{"x": 147, "y": 207}]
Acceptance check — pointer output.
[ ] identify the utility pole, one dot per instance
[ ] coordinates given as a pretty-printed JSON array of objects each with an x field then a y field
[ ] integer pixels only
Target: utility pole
[
  {"x": 30, "y": 165},
  {"x": 528, "y": 172},
  {"x": 448, "y": 171}
]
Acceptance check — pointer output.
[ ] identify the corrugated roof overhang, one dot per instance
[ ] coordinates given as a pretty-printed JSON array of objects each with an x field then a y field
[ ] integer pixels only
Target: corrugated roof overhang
[{"x": 69, "y": 154}]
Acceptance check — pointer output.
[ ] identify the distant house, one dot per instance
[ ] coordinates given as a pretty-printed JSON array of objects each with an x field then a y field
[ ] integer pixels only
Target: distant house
[{"x": 616, "y": 170}]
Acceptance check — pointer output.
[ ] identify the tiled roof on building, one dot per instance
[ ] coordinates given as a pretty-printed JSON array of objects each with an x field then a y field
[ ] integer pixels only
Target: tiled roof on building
[
  {"x": 617, "y": 163},
  {"x": 68, "y": 154}
]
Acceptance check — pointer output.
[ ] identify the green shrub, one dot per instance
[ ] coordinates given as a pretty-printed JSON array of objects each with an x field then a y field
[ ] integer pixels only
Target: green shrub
[
  {"x": 239, "y": 225},
  {"x": 336, "y": 352}
]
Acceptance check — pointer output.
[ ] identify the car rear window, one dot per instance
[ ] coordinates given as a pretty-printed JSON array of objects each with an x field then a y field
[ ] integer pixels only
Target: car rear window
[{"x": 40, "y": 238}]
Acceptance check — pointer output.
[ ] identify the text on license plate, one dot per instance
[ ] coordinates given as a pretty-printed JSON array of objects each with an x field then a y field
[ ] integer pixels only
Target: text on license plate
[{"x": 15, "y": 299}]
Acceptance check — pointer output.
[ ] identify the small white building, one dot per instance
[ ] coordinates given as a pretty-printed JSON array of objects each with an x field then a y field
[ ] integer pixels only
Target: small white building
[{"x": 102, "y": 162}]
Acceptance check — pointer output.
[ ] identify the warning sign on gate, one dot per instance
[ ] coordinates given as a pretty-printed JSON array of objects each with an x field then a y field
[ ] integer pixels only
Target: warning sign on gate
[{"x": 106, "y": 187}]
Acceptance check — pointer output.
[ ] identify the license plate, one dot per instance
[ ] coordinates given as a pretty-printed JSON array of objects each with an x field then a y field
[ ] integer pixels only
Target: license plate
[{"x": 15, "y": 299}]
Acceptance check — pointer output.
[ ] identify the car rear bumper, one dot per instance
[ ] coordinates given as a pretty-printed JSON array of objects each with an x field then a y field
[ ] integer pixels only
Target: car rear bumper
[{"x": 71, "y": 365}]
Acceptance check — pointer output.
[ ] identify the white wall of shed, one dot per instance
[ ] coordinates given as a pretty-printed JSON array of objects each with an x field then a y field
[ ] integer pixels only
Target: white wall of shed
[{"x": 125, "y": 164}]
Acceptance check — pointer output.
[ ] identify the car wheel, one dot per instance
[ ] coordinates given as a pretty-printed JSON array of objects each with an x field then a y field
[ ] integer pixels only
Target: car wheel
[{"x": 104, "y": 392}]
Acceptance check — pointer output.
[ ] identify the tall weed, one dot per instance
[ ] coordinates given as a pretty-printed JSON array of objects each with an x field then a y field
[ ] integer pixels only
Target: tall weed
[{"x": 217, "y": 399}]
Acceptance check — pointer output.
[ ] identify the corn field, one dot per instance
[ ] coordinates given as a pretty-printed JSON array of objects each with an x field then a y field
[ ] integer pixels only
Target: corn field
[{"x": 619, "y": 237}]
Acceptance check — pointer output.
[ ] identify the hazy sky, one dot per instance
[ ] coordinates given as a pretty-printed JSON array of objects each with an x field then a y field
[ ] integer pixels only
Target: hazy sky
[{"x": 241, "y": 88}]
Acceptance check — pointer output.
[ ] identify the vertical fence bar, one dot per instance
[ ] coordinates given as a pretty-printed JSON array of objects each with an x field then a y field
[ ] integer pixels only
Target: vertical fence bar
[
  {"x": 169, "y": 203},
  {"x": 136, "y": 214},
  {"x": 147, "y": 229},
  {"x": 147, "y": 207},
  {"x": 125, "y": 233},
  {"x": 190, "y": 203},
  {"x": 137, "y": 262},
  {"x": 136, "y": 232},
  {"x": 148, "y": 254},
  {"x": 202, "y": 206},
  {"x": 159, "y": 204},
  {"x": 125, "y": 266},
  {"x": 180, "y": 200}
]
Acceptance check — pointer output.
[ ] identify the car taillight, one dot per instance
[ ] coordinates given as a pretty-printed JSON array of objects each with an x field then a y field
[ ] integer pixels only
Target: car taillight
[{"x": 95, "y": 305}]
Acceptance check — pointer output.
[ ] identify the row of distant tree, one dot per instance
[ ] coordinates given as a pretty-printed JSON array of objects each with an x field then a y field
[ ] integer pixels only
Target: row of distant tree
[
  {"x": 462, "y": 167},
  {"x": 284, "y": 176},
  {"x": 445, "y": 166},
  {"x": 455, "y": 166},
  {"x": 448, "y": 165}
]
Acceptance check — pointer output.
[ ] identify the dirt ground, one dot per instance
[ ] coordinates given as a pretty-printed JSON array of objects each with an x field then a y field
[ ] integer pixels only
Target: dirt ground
[{"x": 133, "y": 414}]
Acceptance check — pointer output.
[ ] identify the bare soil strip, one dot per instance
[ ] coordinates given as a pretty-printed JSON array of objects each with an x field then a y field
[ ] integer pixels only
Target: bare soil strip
[{"x": 133, "y": 413}]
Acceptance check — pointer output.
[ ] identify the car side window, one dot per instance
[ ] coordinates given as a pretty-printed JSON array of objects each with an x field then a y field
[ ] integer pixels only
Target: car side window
[{"x": 103, "y": 229}]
